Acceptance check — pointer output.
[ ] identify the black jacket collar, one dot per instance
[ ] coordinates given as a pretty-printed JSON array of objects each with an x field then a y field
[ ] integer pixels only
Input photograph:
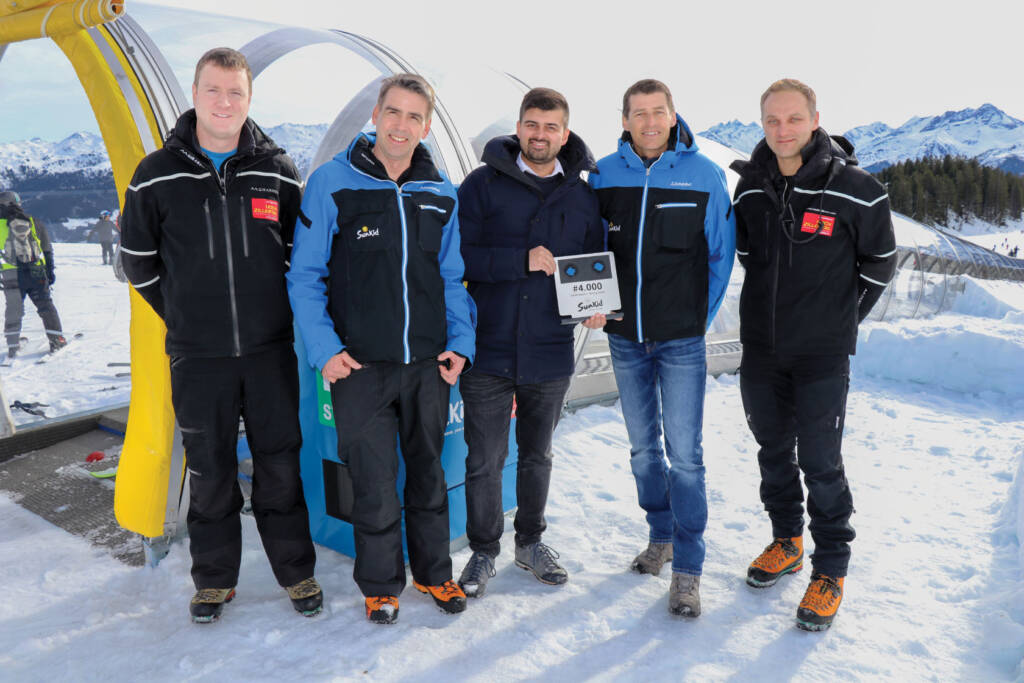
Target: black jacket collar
[
  {"x": 421, "y": 168},
  {"x": 252, "y": 141},
  {"x": 823, "y": 156}
]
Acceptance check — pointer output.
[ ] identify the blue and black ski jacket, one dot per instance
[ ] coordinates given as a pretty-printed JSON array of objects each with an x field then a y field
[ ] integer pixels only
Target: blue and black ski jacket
[
  {"x": 671, "y": 228},
  {"x": 376, "y": 268}
]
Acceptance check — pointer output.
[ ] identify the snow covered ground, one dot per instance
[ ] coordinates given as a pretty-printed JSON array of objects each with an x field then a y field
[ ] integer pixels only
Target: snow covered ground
[
  {"x": 90, "y": 302},
  {"x": 934, "y": 445}
]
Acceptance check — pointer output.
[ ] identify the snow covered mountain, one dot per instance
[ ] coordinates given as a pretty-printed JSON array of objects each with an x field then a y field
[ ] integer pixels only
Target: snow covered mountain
[
  {"x": 987, "y": 134},
  {"x": 72, "y": 178},
  {"x": 741, "y": 136}
]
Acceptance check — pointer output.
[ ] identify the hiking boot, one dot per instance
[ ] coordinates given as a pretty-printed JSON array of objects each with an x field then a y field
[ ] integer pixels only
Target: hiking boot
[
  {"x": 306, "y": 596},
  {"x": 473, "y": 580},
  {"x": 540, "y": 559},
  {"x": 382, "y": 609},
  {"x": 207, "y": 604},
  {"x": 448, "y": 596},
  {"x": 57, "y": 342},
  {"x": 652, "y": 558},
  {"x": 782, "y": 556},
  {"x": 820, "y": 603},
  {"x": 684, "y": 595}
]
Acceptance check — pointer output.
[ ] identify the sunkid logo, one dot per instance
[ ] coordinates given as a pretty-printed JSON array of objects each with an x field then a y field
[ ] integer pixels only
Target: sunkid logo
[
  {"x": 614, "y": 228},
  {"x": 366, "y": 231}
]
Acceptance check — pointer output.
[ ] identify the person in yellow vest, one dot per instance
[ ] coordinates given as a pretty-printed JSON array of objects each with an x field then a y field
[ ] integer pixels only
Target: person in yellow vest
[{"x": 26, "y": 267}]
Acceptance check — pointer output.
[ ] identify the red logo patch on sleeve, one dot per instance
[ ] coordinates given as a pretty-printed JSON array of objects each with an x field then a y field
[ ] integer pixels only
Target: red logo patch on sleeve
[
  {"x": 266, "y": 209},
  {"x": 811, "y": 220}
]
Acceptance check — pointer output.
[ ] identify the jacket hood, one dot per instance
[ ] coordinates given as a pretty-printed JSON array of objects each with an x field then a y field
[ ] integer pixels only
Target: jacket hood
[
  {"x": 680, "y": 141},
  {"x": 821, "y": 154},
  {"x": 501, "y": 153},
  {"x": 360, "y": 155},
  {"x": 251, "y": 141}
]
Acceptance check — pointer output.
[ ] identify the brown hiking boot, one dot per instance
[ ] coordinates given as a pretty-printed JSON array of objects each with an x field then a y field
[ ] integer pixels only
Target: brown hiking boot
[
  {"x": 820, "y": 603},
  {"x": 652, "y": 558},
  {"x": 782, "y": 556},
  {"x": 207, "y": 604},
  {"x": 306, "y": 597}
]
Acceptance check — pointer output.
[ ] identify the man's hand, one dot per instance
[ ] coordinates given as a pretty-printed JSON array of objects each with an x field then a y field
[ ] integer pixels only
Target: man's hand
[
  {"x": 339, "y": 366},
  {"x": 451, "y": 365},
  {"x": 595, "y": 322},
  {"x": 542, "y": 259}
]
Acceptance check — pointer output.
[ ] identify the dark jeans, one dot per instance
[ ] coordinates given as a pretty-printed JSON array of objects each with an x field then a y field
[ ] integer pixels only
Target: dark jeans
[
  {"x": 209, "y": 395},
  {"x": 487, "y": 405},
  {"x": 371, "y": 407},
  {"x": 796, "y": 407},
  {"x": 108, "y": 252}
]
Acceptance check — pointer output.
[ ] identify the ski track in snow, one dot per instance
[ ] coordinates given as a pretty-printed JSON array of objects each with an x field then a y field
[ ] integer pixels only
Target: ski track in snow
[{"x": 933, "y": 454}]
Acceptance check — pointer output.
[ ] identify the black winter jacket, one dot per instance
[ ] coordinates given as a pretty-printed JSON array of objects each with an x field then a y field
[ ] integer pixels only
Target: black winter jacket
[
  {"x": 209, "y": 250},
  {"x": 818, "y": 248},
  {"x": 503, "y": 214}
]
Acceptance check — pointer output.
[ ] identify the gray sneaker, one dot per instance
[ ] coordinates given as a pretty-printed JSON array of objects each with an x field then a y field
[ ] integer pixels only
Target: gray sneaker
[
  {"x": 473, "y": 580},
  {"x": 684, "y": 595},
  {"x": 540, "y": 559},
  {"x": 652, "y": 558}
]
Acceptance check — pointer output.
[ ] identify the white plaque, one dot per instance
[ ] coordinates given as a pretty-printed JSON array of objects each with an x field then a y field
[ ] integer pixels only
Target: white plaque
[{"x": 586, "y": 284}]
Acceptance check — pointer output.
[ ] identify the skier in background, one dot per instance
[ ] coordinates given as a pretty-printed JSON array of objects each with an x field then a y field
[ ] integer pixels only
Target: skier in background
[
  {"x": 27, "y": 268},
  {"x": 104, "y": 229}
]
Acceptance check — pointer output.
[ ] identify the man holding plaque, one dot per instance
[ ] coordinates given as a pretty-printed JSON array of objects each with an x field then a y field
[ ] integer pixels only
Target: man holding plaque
[
  {"x": 524, "y": 206},
  {"x": 671, "y": 228}
]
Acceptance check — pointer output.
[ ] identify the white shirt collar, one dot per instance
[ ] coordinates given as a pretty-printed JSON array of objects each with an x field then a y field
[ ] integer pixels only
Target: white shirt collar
[{"x": 526, "y": 169}]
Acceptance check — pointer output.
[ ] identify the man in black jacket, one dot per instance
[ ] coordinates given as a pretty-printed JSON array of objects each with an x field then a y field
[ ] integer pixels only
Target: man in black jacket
[
  {"x": 207, "y": 231},
  {"x": 815, "y": 236},
  {"x": 525, "y": 206}
]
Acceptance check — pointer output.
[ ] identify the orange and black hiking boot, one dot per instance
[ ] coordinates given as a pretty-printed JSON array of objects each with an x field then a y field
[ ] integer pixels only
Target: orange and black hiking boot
[
  {"x": 448, "y": 596},
  {"x": 820, "y": 603},
  {"x": 382, "y": 609},
  {"x": 782, "y": 556}
]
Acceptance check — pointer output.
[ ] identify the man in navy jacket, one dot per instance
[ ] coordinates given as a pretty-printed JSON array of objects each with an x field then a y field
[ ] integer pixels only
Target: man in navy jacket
[
  {"x": 525, "y": 206},
  {"x": 671, "y": 228}
]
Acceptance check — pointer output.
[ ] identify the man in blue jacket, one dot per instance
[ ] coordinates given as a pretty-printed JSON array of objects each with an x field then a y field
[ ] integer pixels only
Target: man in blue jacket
[
  {"x": 671, "y": 228},
  {"x": 376, "y": 286},
  {"x": 525, "y": 206}
]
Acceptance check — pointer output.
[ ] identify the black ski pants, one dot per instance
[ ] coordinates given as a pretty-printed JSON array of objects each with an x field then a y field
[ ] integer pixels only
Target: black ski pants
[
  {"x": 487, "y": 406},
  {"x": 796, "y": 408},
  {"x": 372, "y": 406},
  {"x": 209, "y": 395},
  {"x": 31, "y": 281}
]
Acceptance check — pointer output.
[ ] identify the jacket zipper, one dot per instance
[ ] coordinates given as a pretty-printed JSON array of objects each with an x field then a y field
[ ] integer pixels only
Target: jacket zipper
[
  {"x": 639, "y": 258},
  {"x": 231, "y": 260},
  {"x": 405, "y": 282},
  {"x": 775, "y": 288},
  {"x": 209, "y": 225},
  {"x": 245, "y": 226}
]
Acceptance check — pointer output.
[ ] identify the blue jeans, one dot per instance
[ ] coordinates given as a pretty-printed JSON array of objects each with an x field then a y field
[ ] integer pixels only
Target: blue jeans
[{"x": 661, "y": 386}]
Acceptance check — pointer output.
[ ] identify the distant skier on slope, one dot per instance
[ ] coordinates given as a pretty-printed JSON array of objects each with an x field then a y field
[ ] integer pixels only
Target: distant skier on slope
[
  {"x": 27, "y": 268},
  {"x": 105, "y": 230}
]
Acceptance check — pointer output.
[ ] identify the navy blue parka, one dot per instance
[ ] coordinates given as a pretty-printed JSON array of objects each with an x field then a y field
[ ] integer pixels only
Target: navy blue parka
[{"x": 503, "y": 214}]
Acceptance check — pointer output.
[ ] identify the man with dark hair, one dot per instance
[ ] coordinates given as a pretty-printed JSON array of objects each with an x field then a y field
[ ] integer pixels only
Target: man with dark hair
[
  {"x": 27, "y": 269},
  {"x": 671, "y": 228},
  {"x": 376, "y": 285},
  {"x": 524, "y": 206},
  {"x": 815, "y": 237},
  {"x": 206, "y": 235}
]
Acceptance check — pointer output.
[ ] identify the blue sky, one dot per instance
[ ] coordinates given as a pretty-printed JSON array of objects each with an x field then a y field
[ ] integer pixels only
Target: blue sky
[{"x": 868, "y": 61}]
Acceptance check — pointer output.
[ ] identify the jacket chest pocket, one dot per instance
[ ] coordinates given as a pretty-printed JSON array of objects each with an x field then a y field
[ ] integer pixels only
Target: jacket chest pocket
[
  {"x": 365, "y": 230},
  {"x": 260, "y": 221},
  {"x": 678, "y": 227},
  {"x": 430, "y": 222}
]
